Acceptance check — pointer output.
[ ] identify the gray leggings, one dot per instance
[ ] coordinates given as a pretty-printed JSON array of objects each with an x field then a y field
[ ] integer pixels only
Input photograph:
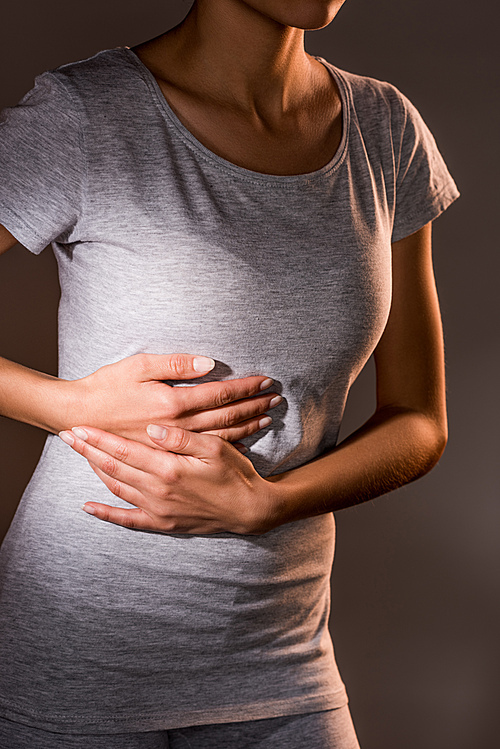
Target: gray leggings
[{"x": 330, "y": 729}]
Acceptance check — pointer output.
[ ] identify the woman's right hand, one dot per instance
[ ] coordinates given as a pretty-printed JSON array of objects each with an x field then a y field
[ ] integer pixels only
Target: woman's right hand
[{"x": 123, "y": 398}]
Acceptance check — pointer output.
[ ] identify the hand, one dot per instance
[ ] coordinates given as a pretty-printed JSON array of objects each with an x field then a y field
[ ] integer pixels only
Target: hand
[
  {"x": 196, "y": 483},
  {"x": 123, "y": 398}
]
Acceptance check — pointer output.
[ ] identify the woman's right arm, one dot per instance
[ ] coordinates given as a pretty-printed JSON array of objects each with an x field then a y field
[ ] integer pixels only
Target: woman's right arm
[{"x": 125, "y": 397}]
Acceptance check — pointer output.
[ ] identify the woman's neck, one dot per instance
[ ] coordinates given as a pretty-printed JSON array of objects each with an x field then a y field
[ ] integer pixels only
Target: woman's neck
[{"x": 238, "y": 56}]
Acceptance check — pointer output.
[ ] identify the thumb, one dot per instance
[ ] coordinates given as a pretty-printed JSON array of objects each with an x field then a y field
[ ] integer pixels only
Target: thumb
[{"x": 177, "y": 366}]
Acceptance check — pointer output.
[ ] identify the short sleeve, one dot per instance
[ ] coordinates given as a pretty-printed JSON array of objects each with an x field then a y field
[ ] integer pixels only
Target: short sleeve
[
  {"x": 41, "y": 165},
  {"x": 424, "y": 186}
]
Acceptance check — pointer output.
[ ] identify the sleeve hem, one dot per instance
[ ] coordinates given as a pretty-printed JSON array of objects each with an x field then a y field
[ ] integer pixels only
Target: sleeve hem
[
  {"x": 411, "y": 224},
  {"x": 19, "y": 229}
]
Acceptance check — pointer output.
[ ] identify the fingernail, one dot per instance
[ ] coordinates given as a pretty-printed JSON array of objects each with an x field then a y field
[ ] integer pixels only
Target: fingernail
[
  {"x": 265, "y": 422},
  {"x": 203, "y": 364},
  {"x": 243, "y": 449},
  {"x": 67, "y": 437},
  {"x": 274, "y": 401},
  {"x": 89, "y": 509},
  {"x": 266, "y": 384},
  {"x": 156, "y": 432},
  {"x": 81, "y": 433}
]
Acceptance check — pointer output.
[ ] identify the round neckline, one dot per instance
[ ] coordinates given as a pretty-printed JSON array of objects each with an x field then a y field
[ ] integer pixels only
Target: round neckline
[{"x": 230, "y": 166}]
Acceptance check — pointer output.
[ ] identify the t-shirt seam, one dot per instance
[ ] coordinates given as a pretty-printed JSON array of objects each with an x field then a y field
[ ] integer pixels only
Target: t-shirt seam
[
  {"x": 401, "y": 141},
  {"x": 78, "y": 107}
]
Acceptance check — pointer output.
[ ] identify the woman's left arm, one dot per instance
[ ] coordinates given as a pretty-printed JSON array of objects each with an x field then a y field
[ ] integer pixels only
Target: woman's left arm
[
  {"x": 408, "y": 432},
  {"x": 197, "y": 483}
]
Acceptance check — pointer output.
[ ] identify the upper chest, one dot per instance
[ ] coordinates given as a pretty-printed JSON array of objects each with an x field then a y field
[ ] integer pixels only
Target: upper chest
[{"x": 294, "y": 148}]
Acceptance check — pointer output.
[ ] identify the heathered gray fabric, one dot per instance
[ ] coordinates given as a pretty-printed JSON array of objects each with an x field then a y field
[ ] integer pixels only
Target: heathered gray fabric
[
  {"x": 165, "y": 247},
  {"x": 332, "y": 729}
]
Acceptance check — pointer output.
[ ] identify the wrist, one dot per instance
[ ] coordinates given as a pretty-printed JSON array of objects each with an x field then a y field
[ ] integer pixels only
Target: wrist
[
  {"x": 69, "y": 404},
  {"x": 274, "y": 507},
  {"x": 293, "y": 498},
  {"x": 55, "y": 404}
]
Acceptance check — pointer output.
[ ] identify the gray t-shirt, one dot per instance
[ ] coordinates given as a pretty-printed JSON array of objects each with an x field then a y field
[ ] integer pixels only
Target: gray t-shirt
[{"x": 165, "y": 247}]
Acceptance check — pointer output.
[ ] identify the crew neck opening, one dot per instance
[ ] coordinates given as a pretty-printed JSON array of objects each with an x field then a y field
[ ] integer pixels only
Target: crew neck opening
[{"x": 231, "y": 167}]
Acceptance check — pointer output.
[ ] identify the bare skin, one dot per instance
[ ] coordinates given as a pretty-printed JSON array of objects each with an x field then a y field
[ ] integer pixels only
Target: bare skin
[{"x": 240, "y": 67}]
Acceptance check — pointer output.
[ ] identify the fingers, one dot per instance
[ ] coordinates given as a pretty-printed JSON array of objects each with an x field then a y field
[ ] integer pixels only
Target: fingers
[
  {"x": 246, "y": 415},
  {"x": 120, "y": 459},
  {"x": 135, "y": 519},
  {"x": 245, "y": 429},
  {"x": 173, "y": 366},
  {"x": 218, "y": 405},
  {"x": 132, "y": 462},
  {"x": 210, "y": 395},
  {"x": 214, "y": 407}
]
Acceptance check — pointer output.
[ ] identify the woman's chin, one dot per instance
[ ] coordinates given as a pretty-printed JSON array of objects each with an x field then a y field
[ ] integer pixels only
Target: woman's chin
[{"x": 309, "y": 15}]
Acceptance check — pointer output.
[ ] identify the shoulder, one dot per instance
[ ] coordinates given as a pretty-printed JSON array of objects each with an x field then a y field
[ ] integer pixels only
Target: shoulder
[
  {"x": 105, "y": 78},
  {"x": 62, "y": 99},
  {"x": 375, "y": 103},
  {"x": 97, "y": 69},
  {"x": 107, "y": 92}
]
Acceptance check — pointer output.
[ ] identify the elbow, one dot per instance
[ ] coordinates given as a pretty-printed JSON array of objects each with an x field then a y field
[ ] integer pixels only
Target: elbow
[
  {"x": 424, "y": 437},
  {"x": 440, "y": 442},
  {"x": 435, "y": 440},
  {"x": 440, "y": 432}
]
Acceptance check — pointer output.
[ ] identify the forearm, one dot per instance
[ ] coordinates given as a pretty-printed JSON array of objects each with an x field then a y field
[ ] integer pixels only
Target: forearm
[
  {"x": 394, "y": 447},
  {"x": 37, "y": 398},
  {"x": 127, "y": 395}
]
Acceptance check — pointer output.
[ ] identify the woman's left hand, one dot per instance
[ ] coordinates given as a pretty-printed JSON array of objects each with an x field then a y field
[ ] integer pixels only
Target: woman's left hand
[{"x": 196, "y": 483}]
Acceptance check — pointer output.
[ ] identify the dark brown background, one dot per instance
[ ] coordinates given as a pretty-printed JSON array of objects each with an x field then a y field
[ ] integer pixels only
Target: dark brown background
[{"x": 415, "y": 611}]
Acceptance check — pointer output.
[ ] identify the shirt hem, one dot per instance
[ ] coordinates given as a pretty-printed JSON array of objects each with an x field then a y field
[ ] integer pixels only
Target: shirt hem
[
  {"x": 414, "y": 222},
  {"x": 169, "y": 720}
]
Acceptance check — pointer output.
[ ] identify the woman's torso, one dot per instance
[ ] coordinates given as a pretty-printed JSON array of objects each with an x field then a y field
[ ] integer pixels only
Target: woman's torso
[{"x": 178, "y": 249}]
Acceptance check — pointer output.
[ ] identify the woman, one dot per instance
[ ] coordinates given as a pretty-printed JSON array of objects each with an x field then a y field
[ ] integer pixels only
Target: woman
[{"x": 219, "y": 191}]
